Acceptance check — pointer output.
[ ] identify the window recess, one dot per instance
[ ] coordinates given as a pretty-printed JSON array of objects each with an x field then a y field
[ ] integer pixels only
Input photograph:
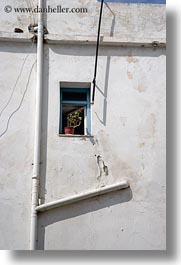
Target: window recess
[{"x": 75, "y": 102}]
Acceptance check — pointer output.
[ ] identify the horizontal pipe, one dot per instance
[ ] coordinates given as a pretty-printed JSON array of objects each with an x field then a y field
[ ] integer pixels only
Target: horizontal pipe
[
  {"x": 105, "y": 41},
  {"x": 82, "y": 196},
  {"x": 89, "y": 41}
]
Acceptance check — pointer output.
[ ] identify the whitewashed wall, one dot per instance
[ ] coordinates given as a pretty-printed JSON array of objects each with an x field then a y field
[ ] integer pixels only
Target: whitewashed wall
[
  {"x": 128, "y": 125},
  {"x": 128, "y": 122},
  {"x": 119, "y": 19},
  {"x": 16, "y": 149}
]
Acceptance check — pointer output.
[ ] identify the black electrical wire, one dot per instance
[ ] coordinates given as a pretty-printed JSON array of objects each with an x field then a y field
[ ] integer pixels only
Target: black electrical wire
[
  {"x": 97, "y": 52},
  {"x": 12, "y": 93},
  {"x": 17, "y": 80},
  {"x": 20, "y": 104}
]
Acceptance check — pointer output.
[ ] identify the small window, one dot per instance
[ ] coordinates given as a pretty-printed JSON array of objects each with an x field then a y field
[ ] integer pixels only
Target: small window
[{"x": 75, "y": 111}]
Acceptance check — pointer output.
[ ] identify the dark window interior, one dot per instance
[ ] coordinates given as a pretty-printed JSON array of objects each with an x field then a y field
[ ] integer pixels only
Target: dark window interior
[{"x": 74, "y": 96}]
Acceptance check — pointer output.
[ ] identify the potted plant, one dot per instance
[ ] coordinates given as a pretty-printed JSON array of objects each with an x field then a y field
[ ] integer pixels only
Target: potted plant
[{"x": 73, "y": 120}]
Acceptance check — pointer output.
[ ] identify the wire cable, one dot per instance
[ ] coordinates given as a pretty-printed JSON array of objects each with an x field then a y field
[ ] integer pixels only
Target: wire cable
[
  {"x": 16, "y": 110},
  {"x": 17, "y": 80},
  {"x": 97, "y": 51}
]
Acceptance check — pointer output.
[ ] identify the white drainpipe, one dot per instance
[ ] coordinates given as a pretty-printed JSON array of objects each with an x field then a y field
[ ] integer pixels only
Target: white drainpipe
[
  {"x": 82, "y": 196},
  {"x": 37, "y": 136}
]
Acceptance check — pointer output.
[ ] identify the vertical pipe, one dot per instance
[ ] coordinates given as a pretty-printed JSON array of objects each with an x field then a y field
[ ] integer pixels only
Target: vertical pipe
[
  {"x": 97, "y": 52},
  {"x": 37, "y": 135}
]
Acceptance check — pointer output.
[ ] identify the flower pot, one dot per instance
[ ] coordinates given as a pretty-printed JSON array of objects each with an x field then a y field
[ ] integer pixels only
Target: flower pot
[{"x": 69, "y": 130}]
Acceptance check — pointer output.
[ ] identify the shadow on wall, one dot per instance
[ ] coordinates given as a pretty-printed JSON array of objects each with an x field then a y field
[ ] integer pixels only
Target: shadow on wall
[
  {"x": 77, "y": 209},
  {"x": 105, "y": 93},
  {"x": 106, "y": 83}
]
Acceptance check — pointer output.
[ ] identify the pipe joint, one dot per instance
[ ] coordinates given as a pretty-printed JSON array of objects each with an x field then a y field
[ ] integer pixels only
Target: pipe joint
[{"x": 35, "y": 177}]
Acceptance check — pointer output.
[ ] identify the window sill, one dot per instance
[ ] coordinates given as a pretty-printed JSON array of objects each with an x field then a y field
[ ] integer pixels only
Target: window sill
[{"x": 75, "y": 136}]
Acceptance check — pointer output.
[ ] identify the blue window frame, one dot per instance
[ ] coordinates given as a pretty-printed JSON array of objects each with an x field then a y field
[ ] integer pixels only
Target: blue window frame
[{"x": 75, "y": 99}]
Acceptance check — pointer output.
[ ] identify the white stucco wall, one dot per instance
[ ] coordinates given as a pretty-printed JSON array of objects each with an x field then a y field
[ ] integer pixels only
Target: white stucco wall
[
  {"x": 120, "y": 19},
  {"x": 128, "y": 128},
  {"x": 16, "y": 149}
]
